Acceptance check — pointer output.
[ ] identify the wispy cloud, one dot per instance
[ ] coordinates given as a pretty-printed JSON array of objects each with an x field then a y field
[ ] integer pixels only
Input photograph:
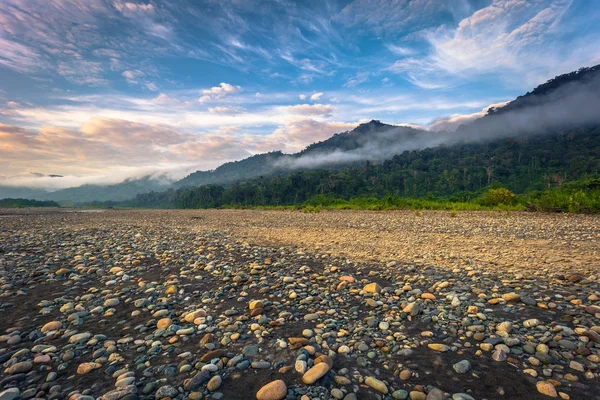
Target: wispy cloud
[
  {"x": 518, "y": 40},
  {"x": 360, "y": 77}
]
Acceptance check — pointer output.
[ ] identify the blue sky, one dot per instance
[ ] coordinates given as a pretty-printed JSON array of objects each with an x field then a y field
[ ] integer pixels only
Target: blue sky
[{"x": 101, "y": 90}]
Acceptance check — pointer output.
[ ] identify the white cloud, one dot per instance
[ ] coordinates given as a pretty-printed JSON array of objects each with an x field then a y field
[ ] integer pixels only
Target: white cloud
[
  {"x": 225, "y": 110},
  {"x": 316, "y": 96},
  {"x": 218, "y": 92},
  {"x": 452, "y": 122},
  {"x": 133, "y": 8},
  {"x": 302, "y": 96},
  {"x": 309, "y": 109},
  {"x": 519, "y": 40}
]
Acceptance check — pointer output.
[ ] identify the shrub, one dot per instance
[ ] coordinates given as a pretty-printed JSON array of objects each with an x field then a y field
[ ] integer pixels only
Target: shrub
[{"x": 496, "y": 197}]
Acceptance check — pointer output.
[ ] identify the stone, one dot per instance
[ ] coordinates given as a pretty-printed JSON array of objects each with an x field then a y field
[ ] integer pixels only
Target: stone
[
  {"x": 256, "y": 305},
  {"x": 512, "y": 296},
  {"x": 315, "y": 373},
  {"x": 372, "y": 288},
  {"x": 531, "y": 323},
  {"x": 166, "y": 391},
  {"x": 438, "y": 347},
  {"x": 505, "y": 326},
  {"x": 275, "y": 390},
  {"x": 171, "y": 290},
  {"x": 164, "y": 323},
  {"x": 80, "y": 337},
  {"x": 10, "y": 394},
  {"x": 462, "y": 366},
  {"x": 51, "y": 326},
  {"x": 111, "y": 302},
  {"x": 197, "y": 380},
  {"x": 546, "y": 388},
  {"x": 120, "y": 393},
  {"x": 19, "y": 368},
  {"x": 214, "y": 383},
  {"x": 413, "y": 309},
  {"x": 435, "y": 394},
  {"x": 376, "y": 384},
  {"x": 86, "y": 368}
]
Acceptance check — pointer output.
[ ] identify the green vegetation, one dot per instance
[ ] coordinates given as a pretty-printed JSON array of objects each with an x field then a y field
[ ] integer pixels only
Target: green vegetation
[
  {"x": 577, "y": 197},
  {"x": 21, "y": 203},
  {"x": 554, "y": 172}
]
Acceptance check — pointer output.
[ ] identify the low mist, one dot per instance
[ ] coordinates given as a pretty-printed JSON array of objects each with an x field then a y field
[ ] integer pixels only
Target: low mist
[{"x": 571, "y": 106}]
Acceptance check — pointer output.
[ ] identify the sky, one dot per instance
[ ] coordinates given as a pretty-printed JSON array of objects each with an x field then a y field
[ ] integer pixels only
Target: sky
[{"x": 98, "y": 91}]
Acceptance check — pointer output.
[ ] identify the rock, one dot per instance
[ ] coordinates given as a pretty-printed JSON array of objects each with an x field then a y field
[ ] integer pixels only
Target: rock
[
  {"x": 256, "y": 305},
  {"x": 531, "y": 323},
  {"x": 593, "y": 310},
  {"x": 438, "y": 347},
  {"x": 546, "y": 388},
  {"x": 400, "y": 394},
  {"x": 51, "y": 326},
  {"x": 19, "y": 368},
  {"x": 499, "y": 355},
  {"x": 275, "y": 390},
  {"x": 462, "y": 367},
  {"x": 435, "y": 394},
  {"x": 213, "y": 354},
  {"x": 80, "y": 337},
  {"x": 412, "y": 308},
  {"x": 372, "y": 288},
  {"x": 120, "y": 393},
  {"x": 376, "y": 384},
  {"x": 197, "y": 380},
  {"x": 315, "y": 373},
  {"x": 166, "y": 391},
  {"x": 505, "y": 326},
  {"x": 164, "y": 323},
  {"x": 462, "y": 396},
  {"x": 88, "y": 367},
  {"x": 10, "y": 394},
  {"x": 512, "y": 296},
  {"x": 111, "y": 302},
  {"x": 171, "y": 290},
  {"x": 214, "y": 383}
]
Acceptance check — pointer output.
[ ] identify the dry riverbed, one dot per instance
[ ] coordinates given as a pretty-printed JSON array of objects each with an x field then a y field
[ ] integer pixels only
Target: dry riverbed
[{"x": 280, "y": 304}]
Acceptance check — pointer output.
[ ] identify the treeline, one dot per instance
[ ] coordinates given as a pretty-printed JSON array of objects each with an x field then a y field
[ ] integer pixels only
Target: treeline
[
  {"x": 530, "y": 167},
  {"x": 21, "y": 203}
]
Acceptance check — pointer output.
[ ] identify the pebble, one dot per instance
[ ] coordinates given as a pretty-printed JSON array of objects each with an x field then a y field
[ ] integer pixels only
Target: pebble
[
  {"x": 314, "y": 373},
  {"x": 546, "y": 388},
  {"x": 376, "y": 384},
  {"x": 167, "y": 311},
  {"x": 275, "y": 390}
]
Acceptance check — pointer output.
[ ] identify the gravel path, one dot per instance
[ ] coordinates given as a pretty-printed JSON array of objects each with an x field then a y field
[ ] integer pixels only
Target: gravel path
[{"x": 272, "y": 305}]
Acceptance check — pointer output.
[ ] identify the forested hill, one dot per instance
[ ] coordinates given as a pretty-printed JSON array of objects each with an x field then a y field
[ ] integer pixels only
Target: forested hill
[
  {"x": 460, "y": 172},
  {"x": 235, "y": 171}
]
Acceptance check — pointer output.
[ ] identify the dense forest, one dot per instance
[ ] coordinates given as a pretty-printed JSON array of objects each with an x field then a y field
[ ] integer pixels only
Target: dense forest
[
  {"x": 456, "y": 173},
  {"x": 19, "y": 203}
]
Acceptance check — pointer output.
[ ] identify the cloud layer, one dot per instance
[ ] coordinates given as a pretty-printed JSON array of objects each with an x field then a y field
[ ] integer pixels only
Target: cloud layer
[{"x": 100, "y": 90}]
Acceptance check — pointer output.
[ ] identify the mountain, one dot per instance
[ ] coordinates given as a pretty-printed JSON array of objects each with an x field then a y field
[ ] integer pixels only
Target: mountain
[
  {"x": 566, "y": 104},
  {"x": 260, "y": 164},
  {"x": 538, "y": 141},
  {"x": 127, "y": 189}
]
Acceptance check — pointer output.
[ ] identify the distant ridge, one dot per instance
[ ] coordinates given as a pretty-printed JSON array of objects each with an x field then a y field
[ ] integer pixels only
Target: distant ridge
[{"x": 567, "y": 102}]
